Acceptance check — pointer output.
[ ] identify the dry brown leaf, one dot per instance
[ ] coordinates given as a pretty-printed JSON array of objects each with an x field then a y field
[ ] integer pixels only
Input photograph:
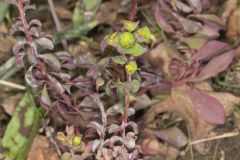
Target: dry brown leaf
[
  {"x": 63, "y": 13},
  {"x": 6, "y": 44},
  {"x": 108, "y": 12},
  {"x": 179, "y": 103},
  {"x": 41, "y": 150},
  {"x": 162, "y": 56},
  {"x": 233, "y": 25},
  {"x": 151, "y": 146},
  {"x": 9, "y": 104},
  {"x": 229, "y": 7}
]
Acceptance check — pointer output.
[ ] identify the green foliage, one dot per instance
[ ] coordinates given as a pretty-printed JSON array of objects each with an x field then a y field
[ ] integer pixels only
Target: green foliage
[
  {"x": 3, "y": 9},
  {"x": 21, "y": 129},
  {"x": 130, "y": 26},
  {"x": 131, "y": 41}
]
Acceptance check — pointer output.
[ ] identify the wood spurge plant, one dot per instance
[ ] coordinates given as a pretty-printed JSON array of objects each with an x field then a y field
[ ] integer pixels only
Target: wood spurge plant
[{"x": 170, "y": 65}]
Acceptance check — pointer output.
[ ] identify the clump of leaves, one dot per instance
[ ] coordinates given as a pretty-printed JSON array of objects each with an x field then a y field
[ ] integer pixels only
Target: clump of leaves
[
  {"x": 115, "y": 141},
  {"x": 119, "y": 80},
  {"x": 72, "y": 141}
]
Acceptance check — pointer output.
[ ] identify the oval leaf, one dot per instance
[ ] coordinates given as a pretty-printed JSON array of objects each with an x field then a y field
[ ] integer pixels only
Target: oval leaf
[
  {"x": 188, "y": 25},
  {"x": 136, "y": 50},
  {"x": 216, "y": 65},
  {"x": 45, "y": 43},
  {"x": 162, "y": 22},
  {"x": 209, "y": 50},
  {"x": 51, "y": 60},
  {"x": 207, "y": 107},
  {"x": 119, "y": 59}
]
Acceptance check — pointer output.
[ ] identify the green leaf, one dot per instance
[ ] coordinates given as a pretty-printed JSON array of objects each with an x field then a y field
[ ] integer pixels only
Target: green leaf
[
  {"x": 136, "y": 50},
  {"x": 194, "y": 42},
  {"x": 130, "y": 26},
  {"x": 91, "y": 4},
  {"x": 52, "y": 60},
  {"x": 77, "y": 17},
  {"x": 45, "y": 96},
  {"x": 3, "y": 9},
  {"x": 22, "y": 129},
  {"x": 119, "y": 59},
  {"x": 134, "y": 85}
]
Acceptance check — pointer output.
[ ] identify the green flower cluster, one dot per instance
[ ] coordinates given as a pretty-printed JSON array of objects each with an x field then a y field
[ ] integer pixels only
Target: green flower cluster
[{"x": 132, "y": 40}]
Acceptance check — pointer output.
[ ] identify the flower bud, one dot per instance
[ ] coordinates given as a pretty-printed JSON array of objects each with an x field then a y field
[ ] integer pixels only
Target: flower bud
[
  {"x": 76, "y": 140},
  {"x": 126, "y": 40},
  {"x": 112, "y": 39},
  {"x": 144, "y": 33},
  {"x": 131, "y": 67}
]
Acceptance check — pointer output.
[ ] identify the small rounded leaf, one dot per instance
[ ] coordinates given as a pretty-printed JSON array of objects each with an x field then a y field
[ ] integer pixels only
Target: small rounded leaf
[
  {"x": 119, "y": 59},
  {"x": 130, "y": 26}
]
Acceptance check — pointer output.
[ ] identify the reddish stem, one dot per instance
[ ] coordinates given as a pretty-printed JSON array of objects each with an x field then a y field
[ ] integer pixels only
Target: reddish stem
[{"x": 133, "y": 12}]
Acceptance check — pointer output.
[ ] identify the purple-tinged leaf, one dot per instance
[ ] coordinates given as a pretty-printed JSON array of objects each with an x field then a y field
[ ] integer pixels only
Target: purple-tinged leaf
[
  {"x": 130, "y": 112},
  {"x": 172, "y": 135},
  {"x": 207, "y": 107},
  {"x": 98, "y": 127},
  {"x": 19, "y": 59},
  {"x": 45, "y": 43},
  {"x": 19, "y": 46},
  {"x": 209, "y": 31},
  {"x": 133, "y": 125},
  {"x": 17, "y": 27},
  {"x": 162, "y": 22},
  {"x": 216, "y": 65},
  {"x": 183, "y": 7},
  {"x": 115, "y": 109},
  {"x": 70, "y": 130},
  {"x": 34, "y": 32},
  {"x": 165, "y": 6},
  {"x": 129, "y": 142},
  {"x": 30, "y": 79},
  {"x": 113, "y": 128},
  {"x": 51, "y": 60},
  {"x": 188, "y": 25},
  {"x": 35, "y": 23},
  {"x": 208, "y": 17},
  {"x": 196, "y": 5},
  {"x": 29, "y": 7},
  {"x": 210, "y": 50},
  {"x": 45, "y": 99},
  {"x": 56, "y": 85},
  {"x": 95, "y": 145}
]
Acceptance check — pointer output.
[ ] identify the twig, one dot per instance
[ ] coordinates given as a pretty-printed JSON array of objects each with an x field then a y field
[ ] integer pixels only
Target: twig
[
  {"x": 12, "y": 85},
  {"x": 226, "y": 135},
  {"x": 57, "y": 23},
  {"x": 133, "y": 11}
]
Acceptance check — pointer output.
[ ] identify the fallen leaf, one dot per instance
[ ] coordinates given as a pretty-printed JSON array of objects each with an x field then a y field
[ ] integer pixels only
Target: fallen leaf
[
  {"x": 108, "y": 12},
  {"x": 216, "y": 65},
  {"x": 207, "y": 107},
  {"x": 233, "y": 25},
  {"x": 180, "y": 103},
  {"x": 162, "y": 56},
  {"x": 151, "y": 146},
  {"x": 162, "y": 22},
  {"x": 9, "y": 104},
  {"x": 41, "y": 150},
  {"x": 209, "y": 50},
  {"x": 63, "y": 13},
  {"x": 172, "y": 135}
]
